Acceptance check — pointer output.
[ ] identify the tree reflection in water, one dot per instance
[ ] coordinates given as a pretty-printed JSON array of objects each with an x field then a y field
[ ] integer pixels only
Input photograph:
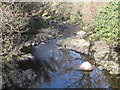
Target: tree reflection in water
[
  {"x": 57, "y": 70},
  {"x": 67, "y": 77},
  {"x": 94, "y": 79}
]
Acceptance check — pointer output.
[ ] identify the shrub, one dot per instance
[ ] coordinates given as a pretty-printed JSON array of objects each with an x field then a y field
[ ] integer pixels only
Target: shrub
[{"x": 106, "y": 23}]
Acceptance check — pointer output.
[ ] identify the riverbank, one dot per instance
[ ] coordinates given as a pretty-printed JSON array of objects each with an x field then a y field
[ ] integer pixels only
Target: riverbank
[
  {"x": 104, "y": 54},
  {"x": 105, "y": 57},
  {"x": 22, "y": 53},
  {"x": 26, "y": 26}
]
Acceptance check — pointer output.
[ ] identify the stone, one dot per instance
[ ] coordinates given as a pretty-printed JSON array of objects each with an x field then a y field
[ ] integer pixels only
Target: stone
[
  {"x": 49, "y": 36},
  {"x": 100, "y": 67},
  {"x": 111, "y": 66},
  {"x": 42, "y": 43},
  {"x": 76, "y": 44},
  {"x": 115, "y": 71},
  {"x": 21, "y": 78},
  {"x": 81, "y": 34},
  {"x": 11, "y": 65},
  {"x": 27, "y": 44},
  {"x": 30, "y": 74},
  {"x": 100, "y": 45},
  {"x": 26, "y": 57},
  {"x": 18, "y": 79},
  {"x": 85, "y": 66},
  {"x": 101, "y": 49},
  {"x": 99, "y": 55}
]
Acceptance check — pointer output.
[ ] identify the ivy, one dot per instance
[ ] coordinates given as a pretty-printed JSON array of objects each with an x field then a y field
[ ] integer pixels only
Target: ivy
[{"x": 106, "y": 23}]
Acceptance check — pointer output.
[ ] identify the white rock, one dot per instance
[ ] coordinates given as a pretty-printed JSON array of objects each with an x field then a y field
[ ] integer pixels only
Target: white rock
[
  {"x": 84, "y": 43},
  {"x": 86, "y": 66},
  {"x": 42, "y": 43},
  {"x": 81, "y": 33}
]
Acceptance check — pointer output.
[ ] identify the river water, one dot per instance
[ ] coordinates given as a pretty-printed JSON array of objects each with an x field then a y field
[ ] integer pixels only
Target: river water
[
  {"x": 57, "y": 69},
  {"x": 56, "y": 66}
]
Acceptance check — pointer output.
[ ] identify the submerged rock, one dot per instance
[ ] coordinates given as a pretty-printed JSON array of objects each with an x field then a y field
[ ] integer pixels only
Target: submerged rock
[{"x": 85, "y": 66}]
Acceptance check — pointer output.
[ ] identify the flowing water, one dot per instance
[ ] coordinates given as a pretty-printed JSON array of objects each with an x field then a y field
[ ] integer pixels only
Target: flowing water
[{"x": 56, "y": 68}]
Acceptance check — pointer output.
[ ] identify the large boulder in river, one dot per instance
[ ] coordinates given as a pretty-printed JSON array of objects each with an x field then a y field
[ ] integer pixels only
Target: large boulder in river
[
  {"x": 75, "y": 43},
  {"x": 85, "y": 66}
]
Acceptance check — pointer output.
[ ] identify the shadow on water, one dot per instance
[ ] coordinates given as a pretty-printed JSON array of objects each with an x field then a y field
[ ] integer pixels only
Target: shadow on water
[{"x": 56, "y": 68}]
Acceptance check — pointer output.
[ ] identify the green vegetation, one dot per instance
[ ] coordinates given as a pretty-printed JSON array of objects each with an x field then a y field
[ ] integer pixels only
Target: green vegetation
[{"x": 106, "y": 23}]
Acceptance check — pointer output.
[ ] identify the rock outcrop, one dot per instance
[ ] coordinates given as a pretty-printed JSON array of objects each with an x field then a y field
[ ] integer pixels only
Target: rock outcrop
[
  {"x": 76, "y": 43},
  {"x": 105, "y": 57},
  {"x": 100, "y": 49}
]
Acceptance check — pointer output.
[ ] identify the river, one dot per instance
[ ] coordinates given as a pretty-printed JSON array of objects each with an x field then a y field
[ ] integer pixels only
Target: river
[{"x": 56, "y": 68}]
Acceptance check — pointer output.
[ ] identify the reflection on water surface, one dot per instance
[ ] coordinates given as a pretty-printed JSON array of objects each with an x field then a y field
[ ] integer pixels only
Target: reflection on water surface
[{"x": 57, "y": 69}]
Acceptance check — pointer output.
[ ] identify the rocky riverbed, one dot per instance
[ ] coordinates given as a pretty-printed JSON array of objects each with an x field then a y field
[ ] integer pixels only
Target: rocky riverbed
[
  {"x": 15, "y": 75},
  {"x": 105, "y": 56},
  {"x": 12, "y": 68}
]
